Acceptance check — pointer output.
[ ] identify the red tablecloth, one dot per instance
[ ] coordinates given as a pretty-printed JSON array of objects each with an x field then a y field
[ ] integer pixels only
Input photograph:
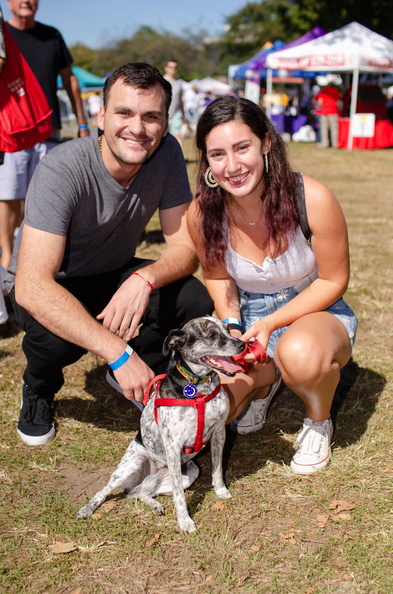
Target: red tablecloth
[{"x": 383, "y": 136}]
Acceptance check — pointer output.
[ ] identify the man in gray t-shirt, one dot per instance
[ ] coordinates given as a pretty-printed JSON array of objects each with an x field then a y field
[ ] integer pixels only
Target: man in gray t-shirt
[{"x": 75, "y": 283}]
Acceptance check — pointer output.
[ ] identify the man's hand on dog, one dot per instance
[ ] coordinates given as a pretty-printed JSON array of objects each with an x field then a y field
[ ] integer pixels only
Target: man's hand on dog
[
  {"x": 124, "y": 311},
  {"x": 134, "y": 377}
]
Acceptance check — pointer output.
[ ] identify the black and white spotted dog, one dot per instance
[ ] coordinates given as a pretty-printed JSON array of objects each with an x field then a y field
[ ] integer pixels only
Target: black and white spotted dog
[{"x": 187, "y": 408}]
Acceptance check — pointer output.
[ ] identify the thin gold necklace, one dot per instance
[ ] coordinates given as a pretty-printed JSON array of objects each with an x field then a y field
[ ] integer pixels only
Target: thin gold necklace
[{"x": 244, "y": 218}]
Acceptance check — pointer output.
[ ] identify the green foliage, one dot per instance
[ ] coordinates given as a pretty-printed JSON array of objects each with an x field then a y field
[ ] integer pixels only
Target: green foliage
[
  {"x": 254, "y": 25},
  {"x": 195, "y": 57},
  {"x": 84, "y": 56},
  {"x": 377, "y": 15}
]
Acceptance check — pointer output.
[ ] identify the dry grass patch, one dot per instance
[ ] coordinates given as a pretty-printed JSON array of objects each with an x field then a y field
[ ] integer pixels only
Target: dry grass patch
[{"x": 329, "y": 533}]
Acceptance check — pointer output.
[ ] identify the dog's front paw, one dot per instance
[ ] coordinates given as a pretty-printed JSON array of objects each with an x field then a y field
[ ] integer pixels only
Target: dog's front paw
[
  {"x": 158, "y": 508},
  {"x": 84, "y": 513},
  {"x": 223, "y": 493},
  {"x": 187, "y": 525}
]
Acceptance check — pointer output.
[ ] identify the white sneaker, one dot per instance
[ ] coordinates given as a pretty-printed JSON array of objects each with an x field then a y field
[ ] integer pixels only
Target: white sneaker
[
  {"x": 313, "y": 452},
  {"x": 189, "y": 473},
  {"x": 254, "y": 415},
  {"x": 110, "y": 378}
]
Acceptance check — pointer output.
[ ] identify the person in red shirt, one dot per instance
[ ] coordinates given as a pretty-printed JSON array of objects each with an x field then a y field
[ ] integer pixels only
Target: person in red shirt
[{"x": 328, "y": 101}]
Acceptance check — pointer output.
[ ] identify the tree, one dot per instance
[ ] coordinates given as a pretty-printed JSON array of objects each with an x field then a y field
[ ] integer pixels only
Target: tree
[
  {"x": 254, "y": 25},
  {"x": 84, "y": 57},
  {"x": 195, "y": 56},
  {"x": 258, "y": 22},
  {"x": 377, "y": 15}
]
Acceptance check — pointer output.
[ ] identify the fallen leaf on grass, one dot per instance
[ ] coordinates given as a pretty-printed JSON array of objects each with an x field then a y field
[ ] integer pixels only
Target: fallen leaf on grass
[
  {"x": 63, "y": 547},
  {"x": 153, "y": 541},
  {"x": 322, "y": 520},
  {"x": 338, "y": 505},
  {"x": 310, "y": 591},
  {"x": 218, "y": 505},
  {"x": 77, "y": 591},
  {"x": 94, "y": 548},
  {"x": 341, "y": 517},
  {"x": 289, "y": 537},
  {"x": 108, "y": 505},
  {"x": 255, "y": 548}
]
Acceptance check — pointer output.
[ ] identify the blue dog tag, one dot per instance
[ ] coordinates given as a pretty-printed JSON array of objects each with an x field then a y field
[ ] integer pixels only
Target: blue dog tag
[{"x": 190, "y": 391}]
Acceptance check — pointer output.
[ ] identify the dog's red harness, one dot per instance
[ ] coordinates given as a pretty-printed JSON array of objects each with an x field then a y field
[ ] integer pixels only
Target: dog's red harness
[{"x": 197, "y": 402}]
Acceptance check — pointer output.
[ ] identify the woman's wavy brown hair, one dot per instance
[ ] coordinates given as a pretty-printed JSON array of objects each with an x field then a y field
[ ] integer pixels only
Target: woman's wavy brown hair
[{"x": 280, "y": 213}]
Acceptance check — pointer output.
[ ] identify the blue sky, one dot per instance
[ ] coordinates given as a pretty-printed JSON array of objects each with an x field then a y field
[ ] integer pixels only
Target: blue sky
[{"x": 96, "y": 22}]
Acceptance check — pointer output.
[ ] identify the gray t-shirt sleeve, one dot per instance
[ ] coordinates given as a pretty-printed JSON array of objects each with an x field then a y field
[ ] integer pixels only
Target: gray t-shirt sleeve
[
  {"x": 73, "y": 195},
  {"x": 51, "y": 198},
  {"x": 65, "y": 179}
]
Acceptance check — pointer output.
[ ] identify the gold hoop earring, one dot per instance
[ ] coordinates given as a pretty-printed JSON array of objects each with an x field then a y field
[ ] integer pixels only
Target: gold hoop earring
[
  {"x": 209, "y": 179},
  {"x": 266, "y": 162}
]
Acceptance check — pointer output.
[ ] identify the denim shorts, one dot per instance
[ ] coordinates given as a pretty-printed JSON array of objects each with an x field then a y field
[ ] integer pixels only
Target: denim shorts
[{"x": 254, "y": 306}]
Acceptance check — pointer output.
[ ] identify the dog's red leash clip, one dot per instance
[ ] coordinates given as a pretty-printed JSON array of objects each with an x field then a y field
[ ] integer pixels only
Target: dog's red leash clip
[
  {"x": 254, "y": 347},
  {"x": 156, "y": 381}
]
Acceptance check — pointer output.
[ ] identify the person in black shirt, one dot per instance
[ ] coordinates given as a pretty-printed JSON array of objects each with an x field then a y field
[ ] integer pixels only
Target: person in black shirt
[{"x": 46, "y": 53}]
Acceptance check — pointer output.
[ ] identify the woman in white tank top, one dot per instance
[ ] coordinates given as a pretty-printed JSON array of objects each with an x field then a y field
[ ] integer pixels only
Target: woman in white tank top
[{"x": 268, "y": 280}]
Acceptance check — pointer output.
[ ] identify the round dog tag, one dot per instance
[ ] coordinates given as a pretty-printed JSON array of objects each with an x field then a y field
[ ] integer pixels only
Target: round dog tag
[{"x": 190, "y": 391}]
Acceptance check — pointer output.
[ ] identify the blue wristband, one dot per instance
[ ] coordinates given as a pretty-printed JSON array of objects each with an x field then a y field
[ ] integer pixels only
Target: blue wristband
[
  {"x": 83, "y": 127},
  {"x": 233, "y": 321},
  {"x": 122, "y": 359}
]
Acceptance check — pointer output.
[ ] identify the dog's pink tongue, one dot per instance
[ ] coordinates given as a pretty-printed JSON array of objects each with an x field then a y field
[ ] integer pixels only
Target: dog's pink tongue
[{"x": 228, "y": 364}]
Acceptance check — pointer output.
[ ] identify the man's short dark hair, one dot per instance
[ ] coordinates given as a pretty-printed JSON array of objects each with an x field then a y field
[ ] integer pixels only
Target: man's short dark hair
[{"x": 140, "y": 76}]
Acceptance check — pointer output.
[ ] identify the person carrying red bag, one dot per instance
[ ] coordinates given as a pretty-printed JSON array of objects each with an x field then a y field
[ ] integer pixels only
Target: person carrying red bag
[{"x": 47, "y": 55}]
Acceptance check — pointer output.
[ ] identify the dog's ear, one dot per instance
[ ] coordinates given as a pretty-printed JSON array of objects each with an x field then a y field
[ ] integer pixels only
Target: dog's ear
[{"x": 174, "y": 340}]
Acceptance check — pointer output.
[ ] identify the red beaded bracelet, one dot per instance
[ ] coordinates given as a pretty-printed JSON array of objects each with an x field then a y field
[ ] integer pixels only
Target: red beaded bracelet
[{"x": 144, "y": 279}]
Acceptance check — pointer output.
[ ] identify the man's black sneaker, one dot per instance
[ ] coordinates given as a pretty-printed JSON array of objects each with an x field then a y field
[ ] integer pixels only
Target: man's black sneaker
[{"x": 36, "y": 425}]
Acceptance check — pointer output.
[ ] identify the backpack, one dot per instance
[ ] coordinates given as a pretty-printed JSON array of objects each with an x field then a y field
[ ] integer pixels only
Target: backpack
[{"x": 25, "y": 116}]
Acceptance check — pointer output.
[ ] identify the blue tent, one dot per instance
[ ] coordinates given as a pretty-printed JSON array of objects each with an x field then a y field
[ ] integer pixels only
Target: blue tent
[
  {"x": 86, "y": 79},
  {"x": 251, "y": 64}
]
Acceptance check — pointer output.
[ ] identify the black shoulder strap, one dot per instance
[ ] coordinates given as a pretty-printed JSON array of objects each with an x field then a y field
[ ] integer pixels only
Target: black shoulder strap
[{"x": 301, "y": 205}]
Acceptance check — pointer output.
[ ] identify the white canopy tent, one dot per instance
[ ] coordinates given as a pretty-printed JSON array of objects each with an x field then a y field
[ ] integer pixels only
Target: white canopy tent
[
  {"x": 211, "y": 85},
  {"x": 352, "y": 48}
]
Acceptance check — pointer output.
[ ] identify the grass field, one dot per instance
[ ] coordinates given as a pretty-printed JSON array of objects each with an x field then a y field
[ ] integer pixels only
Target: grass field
[{"x": 280, "y": 533}]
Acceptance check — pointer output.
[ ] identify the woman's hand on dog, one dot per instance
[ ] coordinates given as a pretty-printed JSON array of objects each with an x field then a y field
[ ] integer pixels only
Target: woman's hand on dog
[{"x": 259, "y": 330}]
